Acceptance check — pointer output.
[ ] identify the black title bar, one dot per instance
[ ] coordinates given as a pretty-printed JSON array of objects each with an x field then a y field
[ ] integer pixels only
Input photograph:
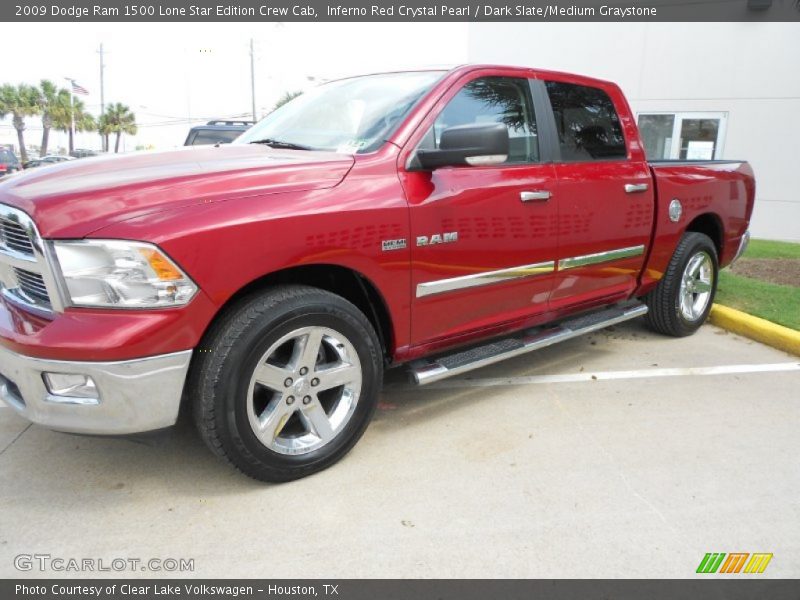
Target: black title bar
[
  {"x": 399, "y": 589},
  {"x": 401, "y": 10}
]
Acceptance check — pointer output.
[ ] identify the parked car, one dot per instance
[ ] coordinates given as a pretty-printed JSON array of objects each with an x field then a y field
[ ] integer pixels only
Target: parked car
[
  {"x": 465, "y": 216},
  {"x": 216, "y": 132},
  {"x": 50, "y": 159},
  {"x": 9, "y": 163},
  {"x": 83, "y": 153}
]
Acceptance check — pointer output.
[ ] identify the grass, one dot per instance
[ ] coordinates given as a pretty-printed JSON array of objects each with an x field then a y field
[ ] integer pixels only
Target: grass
[
  {"x": 777, "y": 303},
  {"x": 770, "y": 249}
]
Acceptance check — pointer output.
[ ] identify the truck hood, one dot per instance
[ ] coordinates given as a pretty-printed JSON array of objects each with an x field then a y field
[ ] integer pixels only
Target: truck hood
[{"x": 73, "y": 199}]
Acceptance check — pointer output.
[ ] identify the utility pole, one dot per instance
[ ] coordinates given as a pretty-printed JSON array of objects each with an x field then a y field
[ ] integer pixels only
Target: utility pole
[
  {"x": 102, "y": 95},
  {"x": 71, "y": 113},
  {"x": 253, "y": 78}
]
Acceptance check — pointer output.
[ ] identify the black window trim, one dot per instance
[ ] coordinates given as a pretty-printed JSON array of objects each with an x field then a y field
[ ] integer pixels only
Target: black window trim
[{"x": 549, "y": 149}]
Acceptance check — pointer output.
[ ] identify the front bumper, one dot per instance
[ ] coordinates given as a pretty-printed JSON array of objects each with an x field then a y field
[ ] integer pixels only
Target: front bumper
[{"x": 134, "y": 395}]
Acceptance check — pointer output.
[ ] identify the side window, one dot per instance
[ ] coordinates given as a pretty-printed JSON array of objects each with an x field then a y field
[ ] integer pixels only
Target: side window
[
  {"x": 587, "y": 123},
  {"x": 493, "y": 100}
]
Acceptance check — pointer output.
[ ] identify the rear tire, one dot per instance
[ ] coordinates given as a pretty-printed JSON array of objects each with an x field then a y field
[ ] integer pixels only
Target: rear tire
[
  {"x": 681, "y": 301},
  {"x": 286, "y": 382}
]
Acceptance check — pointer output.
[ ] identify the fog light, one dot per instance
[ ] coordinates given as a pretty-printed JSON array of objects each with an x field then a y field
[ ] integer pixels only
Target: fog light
[{"x": 72, "y": 388}]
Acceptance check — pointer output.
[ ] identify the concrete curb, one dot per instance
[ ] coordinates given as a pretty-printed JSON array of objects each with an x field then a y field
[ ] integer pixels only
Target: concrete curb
[{"x": 756, "y": 328}]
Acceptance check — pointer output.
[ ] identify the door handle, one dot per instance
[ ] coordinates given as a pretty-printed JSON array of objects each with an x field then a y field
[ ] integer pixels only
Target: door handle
[
  {"x": 633, "y": 188},
  {"x": 537, "y": 196}
]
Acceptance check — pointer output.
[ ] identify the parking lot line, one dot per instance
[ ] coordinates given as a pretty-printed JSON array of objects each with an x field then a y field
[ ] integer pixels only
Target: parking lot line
[{"x": 610, "y": 375}]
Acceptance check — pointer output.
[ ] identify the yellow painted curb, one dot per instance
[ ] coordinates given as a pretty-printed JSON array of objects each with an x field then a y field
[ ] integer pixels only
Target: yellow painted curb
[{"x": 756, "y": 328}]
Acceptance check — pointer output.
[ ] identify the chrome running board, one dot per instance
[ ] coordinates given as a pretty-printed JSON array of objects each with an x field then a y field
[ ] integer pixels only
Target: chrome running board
[{"x": 430, "y": 370}]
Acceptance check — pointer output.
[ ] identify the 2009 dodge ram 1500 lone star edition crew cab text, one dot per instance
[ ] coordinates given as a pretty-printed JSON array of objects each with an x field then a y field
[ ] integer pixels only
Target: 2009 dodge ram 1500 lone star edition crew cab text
[{"x": 442, "y": 220}]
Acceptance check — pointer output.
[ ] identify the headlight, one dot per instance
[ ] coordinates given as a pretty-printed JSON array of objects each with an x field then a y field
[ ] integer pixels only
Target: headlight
[{"x": 119, "y": 274}]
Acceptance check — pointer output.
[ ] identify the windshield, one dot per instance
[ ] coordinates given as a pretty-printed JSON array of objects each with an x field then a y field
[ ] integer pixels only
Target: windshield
[{"x": 350, "y": 116}]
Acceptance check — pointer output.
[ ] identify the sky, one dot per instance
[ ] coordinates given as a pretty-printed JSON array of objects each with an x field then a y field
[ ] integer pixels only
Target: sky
[{"x": 173, "y": 76}]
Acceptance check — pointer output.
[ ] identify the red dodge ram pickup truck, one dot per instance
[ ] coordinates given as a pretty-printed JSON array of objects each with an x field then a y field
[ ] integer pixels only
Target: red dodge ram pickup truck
[{"x": 442, "y": 220}]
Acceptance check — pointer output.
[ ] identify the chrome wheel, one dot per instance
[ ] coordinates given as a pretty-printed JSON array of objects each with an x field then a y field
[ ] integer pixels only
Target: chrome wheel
[
  {"x": 697, "y": 284},
  {"x": 304, "y": 390}
]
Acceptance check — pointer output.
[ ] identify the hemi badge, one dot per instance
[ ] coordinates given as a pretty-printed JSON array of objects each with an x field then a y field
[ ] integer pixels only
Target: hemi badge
[{"x": 387, "y": 245}]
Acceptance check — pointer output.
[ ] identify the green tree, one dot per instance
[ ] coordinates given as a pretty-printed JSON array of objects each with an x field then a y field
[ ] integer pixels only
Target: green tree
[
  {"x": 104, "y": 129},
  {"x": 73, "y": 111},
  {"x": 55, "y": 110},
  {"x": 19, "y": 101},
  {"x": 287, "y": 97},
  {"x": 118, "y": 119},
  {"x": 84, "y": 121}
]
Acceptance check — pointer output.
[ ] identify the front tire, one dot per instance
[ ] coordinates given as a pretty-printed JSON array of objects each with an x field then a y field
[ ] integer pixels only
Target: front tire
[
  {"x": 681, "y": 301},
  {"x": 286, "y": 383}
]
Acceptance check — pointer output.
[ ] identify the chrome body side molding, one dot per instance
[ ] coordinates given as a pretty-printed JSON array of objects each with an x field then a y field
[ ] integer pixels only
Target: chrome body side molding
[
  {"x": 479, "y": 279},
  {"x": 440, "y": 286},
  {"x": 600, "y": 257}
]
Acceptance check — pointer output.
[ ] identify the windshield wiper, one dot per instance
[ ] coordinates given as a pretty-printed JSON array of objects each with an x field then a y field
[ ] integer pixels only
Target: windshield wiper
[{"x": 273, "y": 143}]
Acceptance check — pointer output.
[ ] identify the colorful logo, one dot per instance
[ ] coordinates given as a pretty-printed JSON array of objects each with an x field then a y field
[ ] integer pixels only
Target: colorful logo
[{"x": 713, "y": 562}]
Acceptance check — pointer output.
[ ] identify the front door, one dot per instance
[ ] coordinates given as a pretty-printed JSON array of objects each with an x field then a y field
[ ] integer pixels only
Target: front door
[{"x": 483, "y": 240}]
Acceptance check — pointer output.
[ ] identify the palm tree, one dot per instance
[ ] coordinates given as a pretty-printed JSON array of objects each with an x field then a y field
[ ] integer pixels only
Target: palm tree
[
  {"x": 55, "y": 109},
  {"x": 83, "y": 122},
  {"x": 118, "y": 119},
  {"x": 104, "y": 129},
  {"x": 287, "y": 97},
  {"x": 19, "y": 101},
  {"x": 73, "y": 112}
]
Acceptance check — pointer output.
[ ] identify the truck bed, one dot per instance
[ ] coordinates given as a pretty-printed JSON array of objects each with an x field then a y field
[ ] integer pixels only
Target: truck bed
[{"x": 717, "y": 198}]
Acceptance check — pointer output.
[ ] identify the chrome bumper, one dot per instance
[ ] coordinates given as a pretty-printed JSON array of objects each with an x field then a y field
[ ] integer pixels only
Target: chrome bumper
[
  {"x": 743, "y": 243},
  {"x": 134, "y": 395}
]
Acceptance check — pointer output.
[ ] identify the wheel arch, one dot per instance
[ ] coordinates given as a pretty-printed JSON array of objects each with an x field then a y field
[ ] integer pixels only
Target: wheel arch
[
  {"x": 709, "y": 224},
  {"x": 348, "y": 283}
]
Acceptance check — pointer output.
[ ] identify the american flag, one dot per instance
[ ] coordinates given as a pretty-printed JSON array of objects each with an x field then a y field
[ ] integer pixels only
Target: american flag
[{"x": 79, "y": 89}]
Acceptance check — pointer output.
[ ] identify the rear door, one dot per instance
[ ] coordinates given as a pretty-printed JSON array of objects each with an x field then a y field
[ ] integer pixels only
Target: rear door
[
  {"x": 604, "y": 194},
  {"x": 483, "y": 237}
]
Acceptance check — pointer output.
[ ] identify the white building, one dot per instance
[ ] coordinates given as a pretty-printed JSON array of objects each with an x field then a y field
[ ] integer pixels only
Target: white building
[{"x": 731, "y": 90}]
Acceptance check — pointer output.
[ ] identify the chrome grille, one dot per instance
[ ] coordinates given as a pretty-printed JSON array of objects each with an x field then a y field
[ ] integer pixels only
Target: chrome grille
[
  {"x": 14, "y": 237},
  {"x": 25, "y": 276},
  {"x": 33, "y": 287}
]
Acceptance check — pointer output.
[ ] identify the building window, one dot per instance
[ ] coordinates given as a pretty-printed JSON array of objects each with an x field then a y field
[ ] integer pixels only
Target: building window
[{"x": 683, "y": 135}]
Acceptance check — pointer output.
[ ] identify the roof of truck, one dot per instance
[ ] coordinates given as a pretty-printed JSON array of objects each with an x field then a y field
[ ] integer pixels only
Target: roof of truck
[{"x": 467, "y": 67}]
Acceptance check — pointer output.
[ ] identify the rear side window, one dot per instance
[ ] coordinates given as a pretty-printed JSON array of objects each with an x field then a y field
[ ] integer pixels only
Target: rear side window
[
  {"x": 587, "y": 123},
  {"x": 492, "y": 100}
]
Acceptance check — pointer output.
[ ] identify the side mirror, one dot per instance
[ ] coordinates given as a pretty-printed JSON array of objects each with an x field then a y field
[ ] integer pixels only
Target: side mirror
[{"x": 475, "y": 145}]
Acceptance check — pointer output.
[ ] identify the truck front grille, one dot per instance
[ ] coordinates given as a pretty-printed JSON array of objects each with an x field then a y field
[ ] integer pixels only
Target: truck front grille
[
  {"x": 25, "y": 277},
  {"x": 32, "y": 285},
  {"x": 14, "y": 237}
]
